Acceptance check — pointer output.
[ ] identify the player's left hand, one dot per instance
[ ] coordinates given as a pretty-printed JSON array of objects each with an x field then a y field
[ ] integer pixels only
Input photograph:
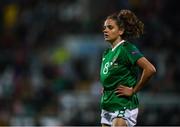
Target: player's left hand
[{"x": 124, "y": 91}]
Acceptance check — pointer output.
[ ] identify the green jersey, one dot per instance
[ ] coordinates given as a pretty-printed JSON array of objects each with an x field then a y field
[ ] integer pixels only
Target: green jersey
[{"x": 119, "y": 68}]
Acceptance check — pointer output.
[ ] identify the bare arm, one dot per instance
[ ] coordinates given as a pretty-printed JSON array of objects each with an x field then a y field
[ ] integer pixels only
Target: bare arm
[{"x": 148, "y": 72}]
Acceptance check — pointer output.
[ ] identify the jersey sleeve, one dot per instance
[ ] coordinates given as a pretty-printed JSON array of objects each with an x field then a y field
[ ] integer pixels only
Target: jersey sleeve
[{"x": 133, "y": 53}]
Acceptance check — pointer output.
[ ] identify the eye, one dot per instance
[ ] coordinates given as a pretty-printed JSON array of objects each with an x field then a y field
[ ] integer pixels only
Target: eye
[
  {"x": 103, "y": 28},
  {"x": 110, "y": 27}
]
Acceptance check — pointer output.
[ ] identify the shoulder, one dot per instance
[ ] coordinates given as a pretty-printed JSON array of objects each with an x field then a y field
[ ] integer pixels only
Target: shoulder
[{"x": 128, "y": 46}]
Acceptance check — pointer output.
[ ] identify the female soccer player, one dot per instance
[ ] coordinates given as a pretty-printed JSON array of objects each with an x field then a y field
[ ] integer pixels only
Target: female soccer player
[{"x": 118, "y": 73}]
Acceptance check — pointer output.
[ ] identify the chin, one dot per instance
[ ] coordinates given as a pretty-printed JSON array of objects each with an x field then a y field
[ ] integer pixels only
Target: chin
[{"x": 107, "y": 39}]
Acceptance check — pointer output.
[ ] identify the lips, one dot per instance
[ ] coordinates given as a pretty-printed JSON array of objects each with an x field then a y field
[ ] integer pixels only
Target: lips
[{"x": 106, "y": 36}]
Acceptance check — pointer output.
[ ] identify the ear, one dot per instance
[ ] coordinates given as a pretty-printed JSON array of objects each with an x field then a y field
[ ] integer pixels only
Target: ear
[{"x": 121, "y": 31}]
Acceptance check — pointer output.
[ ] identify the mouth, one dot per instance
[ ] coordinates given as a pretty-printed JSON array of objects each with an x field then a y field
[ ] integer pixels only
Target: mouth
[{"x": 106, "y": 36}]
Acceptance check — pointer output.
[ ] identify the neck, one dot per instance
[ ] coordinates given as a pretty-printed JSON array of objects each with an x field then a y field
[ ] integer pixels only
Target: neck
[{"x": 116, "y": 42}]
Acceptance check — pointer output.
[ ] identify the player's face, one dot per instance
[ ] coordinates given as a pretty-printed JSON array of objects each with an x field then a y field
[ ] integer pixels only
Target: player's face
[{"x": 111, "y": 31}]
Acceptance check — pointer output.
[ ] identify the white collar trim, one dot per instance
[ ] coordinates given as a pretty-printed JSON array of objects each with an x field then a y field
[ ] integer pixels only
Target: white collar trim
[{"x": 117, "y": 45}]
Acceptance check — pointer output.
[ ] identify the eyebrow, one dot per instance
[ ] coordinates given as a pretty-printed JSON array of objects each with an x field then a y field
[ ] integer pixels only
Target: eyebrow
[{"x": 107, "y": 25}]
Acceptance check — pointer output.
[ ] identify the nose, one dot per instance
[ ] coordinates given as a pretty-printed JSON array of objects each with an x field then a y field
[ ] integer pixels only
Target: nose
[{"x": 105, "y": 30}]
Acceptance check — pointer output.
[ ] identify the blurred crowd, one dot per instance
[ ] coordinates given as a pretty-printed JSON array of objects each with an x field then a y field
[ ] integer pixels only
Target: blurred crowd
[{"x": 50, "y": 55}]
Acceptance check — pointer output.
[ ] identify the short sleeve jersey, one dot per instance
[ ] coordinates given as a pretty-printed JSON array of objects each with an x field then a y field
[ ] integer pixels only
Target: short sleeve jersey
[{"x": 119, "y": 67}]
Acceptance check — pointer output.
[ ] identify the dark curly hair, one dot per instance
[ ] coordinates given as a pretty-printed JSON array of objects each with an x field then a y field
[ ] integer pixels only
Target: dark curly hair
[{"x": 127, "y": 20}]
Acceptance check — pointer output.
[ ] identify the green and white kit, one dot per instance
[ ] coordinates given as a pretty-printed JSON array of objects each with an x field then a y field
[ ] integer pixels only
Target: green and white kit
[{"x": 119, "y": 67}]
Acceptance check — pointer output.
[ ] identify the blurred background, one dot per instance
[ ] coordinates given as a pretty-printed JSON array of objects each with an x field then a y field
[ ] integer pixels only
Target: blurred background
[{"x": 50, "y": 55}]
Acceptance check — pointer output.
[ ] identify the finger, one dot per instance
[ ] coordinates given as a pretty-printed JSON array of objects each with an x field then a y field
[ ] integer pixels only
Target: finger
[
  {"x": 121, "y": 86},
  {"x": 116, "y": 92},
  {"x": 119, "y": 91},
  {"x": 121, "y": 94}
]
